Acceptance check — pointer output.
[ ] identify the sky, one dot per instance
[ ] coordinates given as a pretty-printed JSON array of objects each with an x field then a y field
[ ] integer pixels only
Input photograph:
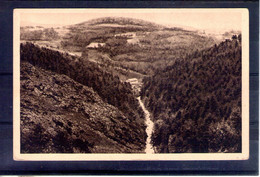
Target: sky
[{"x": 202, "y": 19}]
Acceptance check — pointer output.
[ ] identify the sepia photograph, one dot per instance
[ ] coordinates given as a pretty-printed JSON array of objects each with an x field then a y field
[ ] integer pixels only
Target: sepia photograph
[{"x": 131, "y": 84}]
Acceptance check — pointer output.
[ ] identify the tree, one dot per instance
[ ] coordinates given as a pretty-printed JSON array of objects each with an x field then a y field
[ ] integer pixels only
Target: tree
[
  {"x": 239, "y": 38},
  {"x": 50, "y": 34},
  {"x": 234, "y": 37},
  {"x": 36, "y": 35}
]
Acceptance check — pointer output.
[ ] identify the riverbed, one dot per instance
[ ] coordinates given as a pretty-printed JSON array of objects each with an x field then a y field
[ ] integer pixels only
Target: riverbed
[{"x": 149, "y": 123}]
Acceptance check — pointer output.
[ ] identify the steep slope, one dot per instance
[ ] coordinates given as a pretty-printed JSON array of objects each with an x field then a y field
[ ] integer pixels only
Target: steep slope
[
  {"x": 110, "y": 88},
  {"x": 196, "y": 102},
  {"x": 61, "y": 115},
  {"x": 114, "y": 97}
]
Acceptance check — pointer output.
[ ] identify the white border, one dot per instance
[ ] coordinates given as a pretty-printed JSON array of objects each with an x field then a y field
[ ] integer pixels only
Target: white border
[{"x": 122, "y": 157}]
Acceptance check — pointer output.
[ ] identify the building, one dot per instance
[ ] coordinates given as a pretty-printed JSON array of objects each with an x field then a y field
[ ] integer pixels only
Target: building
[{"x": 94, "y": 45}]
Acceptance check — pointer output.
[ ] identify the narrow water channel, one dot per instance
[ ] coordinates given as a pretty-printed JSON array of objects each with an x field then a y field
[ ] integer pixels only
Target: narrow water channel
[{"x": 149, "y": 129}]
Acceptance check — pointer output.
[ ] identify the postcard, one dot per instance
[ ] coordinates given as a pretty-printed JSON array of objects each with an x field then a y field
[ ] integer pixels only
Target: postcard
[{"x": 131, "y": 84}]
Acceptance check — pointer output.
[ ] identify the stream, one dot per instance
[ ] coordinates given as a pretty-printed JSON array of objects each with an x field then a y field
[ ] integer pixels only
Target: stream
[{"x": 149, "y": 129}]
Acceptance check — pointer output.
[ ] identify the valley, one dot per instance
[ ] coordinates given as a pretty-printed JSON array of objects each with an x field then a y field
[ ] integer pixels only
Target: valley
[{"x": 123, "y": 85}]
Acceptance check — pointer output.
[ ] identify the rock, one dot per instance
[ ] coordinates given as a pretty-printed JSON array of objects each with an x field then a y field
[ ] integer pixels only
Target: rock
[{"x": 59, "y": 115}]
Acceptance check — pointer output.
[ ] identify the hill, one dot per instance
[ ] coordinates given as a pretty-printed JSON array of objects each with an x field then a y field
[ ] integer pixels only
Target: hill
[
  {"x": 135, "y": 44},
  {"x": 118, "y": 21},
  {"x": 57, "y": 91},
  {"x": 131, "y": 44},
  {"x": 196, "y": 102}
]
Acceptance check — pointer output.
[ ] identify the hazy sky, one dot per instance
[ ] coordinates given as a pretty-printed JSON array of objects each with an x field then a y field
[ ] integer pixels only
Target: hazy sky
[{"x": 217, "y": 19}]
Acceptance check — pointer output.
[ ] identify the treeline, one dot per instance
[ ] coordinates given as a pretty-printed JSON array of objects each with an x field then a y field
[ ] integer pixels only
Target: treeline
[
  {"x": 118, "y": 46},
  {"x": 80, "y": 38},
  {"x": 155, "y": 51},
  {"x": 110, "y": 88},
  {"x": 81, "y": 35},
  {"x": 123, "y": 21},
  {"x": 37, "y": 35},
  {"x": 196, "y": 102},
  {"x": 155, "y": 47}
]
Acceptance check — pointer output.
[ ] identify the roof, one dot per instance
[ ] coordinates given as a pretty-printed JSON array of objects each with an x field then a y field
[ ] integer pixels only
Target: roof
[{"x": 95, "y": 45}]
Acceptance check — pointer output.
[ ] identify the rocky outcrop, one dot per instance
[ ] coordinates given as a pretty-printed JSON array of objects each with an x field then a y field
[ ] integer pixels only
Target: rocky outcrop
[{"x": 60, "y": 115}]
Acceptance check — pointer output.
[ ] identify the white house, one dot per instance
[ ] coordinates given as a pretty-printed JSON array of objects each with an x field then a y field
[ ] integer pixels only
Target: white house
[{"x": 95, "y": 45}]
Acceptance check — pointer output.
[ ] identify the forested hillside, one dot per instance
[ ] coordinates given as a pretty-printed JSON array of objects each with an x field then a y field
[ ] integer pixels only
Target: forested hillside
[
  {"x": 196, "y": 102},
  {"x": 136, "y": 46},
  {"x": 85, "y": 74}
]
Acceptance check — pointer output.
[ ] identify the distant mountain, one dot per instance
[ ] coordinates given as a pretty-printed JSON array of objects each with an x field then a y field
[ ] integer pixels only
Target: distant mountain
[
  {"x": 121, "y": 21},
  {"x": 219, "y": 35},
  {"x": 128, "y": 41},
  {"x": 229, "y": 34}
]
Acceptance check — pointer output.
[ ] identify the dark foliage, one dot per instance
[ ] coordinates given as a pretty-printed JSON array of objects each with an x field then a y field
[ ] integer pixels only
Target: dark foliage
[
  {"x": 125, "y": 22},
  {"x": 37, "y": 139},
  {"x": 196, "y": 102},
  {"x": 110, "y": 88},
  {"x": 37, "y": 35},
  {"x": 60, "y": 115}
]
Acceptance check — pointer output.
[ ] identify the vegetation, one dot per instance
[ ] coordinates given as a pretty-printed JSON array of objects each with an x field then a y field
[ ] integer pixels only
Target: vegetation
[
  {"x": 153, "y": 46},
  {"x": 121, "y": 21},
  {"x": 110, "y": 88},
  {"x": 155, "y": 53},
  {"x": 60, "y": 115},
  {"x": 37, "y": 35},
  {"x": 196, "y": 102},
  {"x": 191, "y": 87}
]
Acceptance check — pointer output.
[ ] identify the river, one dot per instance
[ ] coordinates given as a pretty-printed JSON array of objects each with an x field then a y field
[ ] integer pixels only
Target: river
[{"x": 149, "y": 129}]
